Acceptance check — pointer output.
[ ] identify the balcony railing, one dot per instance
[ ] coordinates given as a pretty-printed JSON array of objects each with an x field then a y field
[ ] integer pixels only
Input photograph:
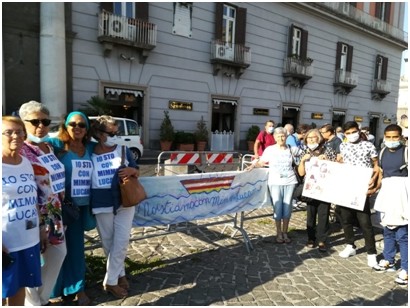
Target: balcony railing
[
  {"x": 346, "y": 78},
  {"x": 380, "y": 85},
  {"x": 345, "y": 81},
  {"x": 233, "y": 54},
  {"x": 347, "y": 10},
  {"x": 297, "y": 67},
  {"x": 380, "y": 88},
  {"x": 127, "y": 31},
  {"x": 297, "y": 71}
]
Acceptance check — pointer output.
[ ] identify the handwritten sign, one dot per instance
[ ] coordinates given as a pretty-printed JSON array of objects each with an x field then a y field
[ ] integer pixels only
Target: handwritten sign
[
  {"x": 81, "y": 178},
  {"x": 174, "y": 199},
  {"x": 342, "y": 184},
  {"x": 56, "y": 171}
]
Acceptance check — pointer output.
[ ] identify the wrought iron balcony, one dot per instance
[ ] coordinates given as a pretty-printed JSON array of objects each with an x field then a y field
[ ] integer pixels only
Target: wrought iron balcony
[
  {"x": 233, "y": 55},
  {"x": 380, "y": 89},
  {"x": 297, "y": 71},
  {"x": 345, "y": 81},
  {"x": 115, "y": 29}
]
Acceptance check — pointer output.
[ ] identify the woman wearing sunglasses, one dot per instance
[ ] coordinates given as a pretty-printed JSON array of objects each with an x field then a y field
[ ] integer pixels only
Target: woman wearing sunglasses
[
  {"x": 50, "y": 178},
  {"x": 114, "y": 222},
  {"x": 73, "y": 148}
]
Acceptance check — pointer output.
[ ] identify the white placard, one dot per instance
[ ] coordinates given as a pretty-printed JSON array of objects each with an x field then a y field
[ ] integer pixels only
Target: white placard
[{"x": 341, "y": 184}]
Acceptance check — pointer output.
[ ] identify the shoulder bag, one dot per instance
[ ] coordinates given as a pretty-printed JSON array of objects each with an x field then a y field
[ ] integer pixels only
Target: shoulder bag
[{"x": 132, "y": 192}]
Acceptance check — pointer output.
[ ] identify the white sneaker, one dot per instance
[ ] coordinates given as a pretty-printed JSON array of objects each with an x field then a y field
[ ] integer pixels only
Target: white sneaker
[
  {"x": 348, "y": 252},
  {"x": 402, "y": 279},
  {"x": 371, "y": 260},
  {"x": 384, "y": 266}
]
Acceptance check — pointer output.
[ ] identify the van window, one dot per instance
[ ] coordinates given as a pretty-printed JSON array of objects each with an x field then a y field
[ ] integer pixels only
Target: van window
[
  {"x": 132, "y": 127},
  {"x": 121, "y": 130}
]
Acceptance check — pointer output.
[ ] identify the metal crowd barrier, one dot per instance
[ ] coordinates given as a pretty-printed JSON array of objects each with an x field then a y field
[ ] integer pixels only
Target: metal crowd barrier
[{"x": 184, "y": 162}]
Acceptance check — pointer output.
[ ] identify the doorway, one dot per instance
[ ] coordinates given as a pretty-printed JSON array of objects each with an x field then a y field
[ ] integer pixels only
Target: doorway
[{"x": 290, "y": 115}]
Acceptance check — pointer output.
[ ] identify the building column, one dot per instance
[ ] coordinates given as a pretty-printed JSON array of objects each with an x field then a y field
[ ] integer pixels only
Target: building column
[{"x": 53, "y": 81}]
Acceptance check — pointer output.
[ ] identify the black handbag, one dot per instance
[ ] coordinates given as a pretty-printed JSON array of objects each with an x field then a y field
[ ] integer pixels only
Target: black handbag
[{"x": 70, "y": 212}]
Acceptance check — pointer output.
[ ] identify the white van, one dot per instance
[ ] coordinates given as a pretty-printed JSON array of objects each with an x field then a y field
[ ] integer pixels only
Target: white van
[{"x": 128, "y": 134}]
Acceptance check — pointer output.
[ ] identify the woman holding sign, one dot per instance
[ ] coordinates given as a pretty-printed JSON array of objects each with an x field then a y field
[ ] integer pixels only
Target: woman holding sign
[
  {"x": 20, "y": 227},
  {"x": 316, "y": 210},
  {"x": 50, "y": 178},
  {"x": 74, "y": 150},
  {"x": 114, "y": 222}
]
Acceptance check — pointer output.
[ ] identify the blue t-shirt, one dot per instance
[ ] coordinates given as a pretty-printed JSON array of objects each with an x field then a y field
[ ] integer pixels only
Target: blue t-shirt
[
  {"x": 391, "y": 163},
  {"x": 293, "y": 141},
  {"x": 78, "y": 171}
]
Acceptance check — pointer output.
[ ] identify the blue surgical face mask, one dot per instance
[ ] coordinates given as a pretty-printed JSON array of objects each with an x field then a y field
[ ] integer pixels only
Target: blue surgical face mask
[
  {"x": 392, "y": 144},
  {"x": 36, "y": 139},
  {"x": 270, "y": 130}
]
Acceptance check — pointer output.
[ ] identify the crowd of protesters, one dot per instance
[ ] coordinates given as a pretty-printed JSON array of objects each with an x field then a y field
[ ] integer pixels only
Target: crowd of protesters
[
  {"x": 53, "y": 192},
  {"x": 351, "y": 145}
]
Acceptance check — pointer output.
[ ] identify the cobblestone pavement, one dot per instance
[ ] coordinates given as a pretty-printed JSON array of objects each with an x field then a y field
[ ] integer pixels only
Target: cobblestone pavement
[{"x": 206, "y": 266}]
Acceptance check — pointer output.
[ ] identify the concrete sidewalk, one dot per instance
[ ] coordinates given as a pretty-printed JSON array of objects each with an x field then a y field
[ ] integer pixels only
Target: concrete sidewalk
[{"x": 203, "y": 266}]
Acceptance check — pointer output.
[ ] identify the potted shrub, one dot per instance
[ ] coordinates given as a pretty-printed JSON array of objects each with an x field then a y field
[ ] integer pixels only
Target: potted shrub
[
  {"x": 166, "y": 133},
  {"x": 201, "y": 135},
  {"x": 253, "y": 132},
  {"x": 185, "y": 141}
]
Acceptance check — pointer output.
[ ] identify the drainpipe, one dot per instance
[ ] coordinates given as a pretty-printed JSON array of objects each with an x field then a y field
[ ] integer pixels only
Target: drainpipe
[{"x": 53, "y": 85}]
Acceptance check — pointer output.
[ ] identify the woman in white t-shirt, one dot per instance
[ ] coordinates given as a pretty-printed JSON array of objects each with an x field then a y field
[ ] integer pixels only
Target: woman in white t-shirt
[
  {"x": 20, "y": 226},
  {"x": 282, "y": 182}
]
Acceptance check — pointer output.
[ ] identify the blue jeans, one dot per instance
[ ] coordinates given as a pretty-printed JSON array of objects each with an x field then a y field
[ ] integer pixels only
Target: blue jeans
[
  {"x": 282, "y": 200},
  {"x": 399, "y": 234}
]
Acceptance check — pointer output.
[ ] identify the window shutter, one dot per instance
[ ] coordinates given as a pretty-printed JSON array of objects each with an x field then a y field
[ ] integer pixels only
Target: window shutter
[
  {"x": 376, "y": 69},
  {"x": 349, "y": 58},
  {"x": 141, "y": 10},
  {"x": 240, "y": 28},
  {"x": 384, "y": 68},
  {"x": 387, "y": 7},
  {"x": 290, "y": 40},
  {"x": 378, "y": 10},
  {"x": 107, "y": 6},
  {"x": 303, "y": 47},
  {"x": 219, "y": 10},
  {"x": 338, "y": 54}
]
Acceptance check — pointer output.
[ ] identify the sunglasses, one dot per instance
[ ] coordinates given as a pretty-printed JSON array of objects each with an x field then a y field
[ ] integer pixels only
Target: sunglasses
[
  {"x": 36, "y": 122},
  {"x": 79, "y": 124},
  {"x": 111, "y": 134}
]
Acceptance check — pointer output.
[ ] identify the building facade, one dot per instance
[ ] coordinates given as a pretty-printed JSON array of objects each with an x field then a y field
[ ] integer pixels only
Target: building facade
[{"x": 234, "y": 64}]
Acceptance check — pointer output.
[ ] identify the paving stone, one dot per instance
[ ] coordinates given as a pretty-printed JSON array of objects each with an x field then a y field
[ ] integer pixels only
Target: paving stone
[{"x": 202, "y": 267}]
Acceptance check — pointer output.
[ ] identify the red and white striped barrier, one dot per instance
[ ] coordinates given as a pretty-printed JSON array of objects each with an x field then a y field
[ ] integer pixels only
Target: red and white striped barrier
[
  {"x": 219, "y": 158},
  {"x": 185, "y": 158}
]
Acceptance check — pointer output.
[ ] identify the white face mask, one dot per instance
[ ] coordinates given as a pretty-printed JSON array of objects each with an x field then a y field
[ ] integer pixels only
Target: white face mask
[
  {"x": 353, "y": 137},
  {"x": 111, "y": 141},
  {"x": 36, "y": 139},
  {"x": 313, "y": 146},
  {"x": 270, "y": 130}
]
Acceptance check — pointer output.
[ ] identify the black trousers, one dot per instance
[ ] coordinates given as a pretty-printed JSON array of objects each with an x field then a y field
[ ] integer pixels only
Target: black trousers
[
  {"x": 348, "y": 217},
  {"x": 317, "y": 211}
]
